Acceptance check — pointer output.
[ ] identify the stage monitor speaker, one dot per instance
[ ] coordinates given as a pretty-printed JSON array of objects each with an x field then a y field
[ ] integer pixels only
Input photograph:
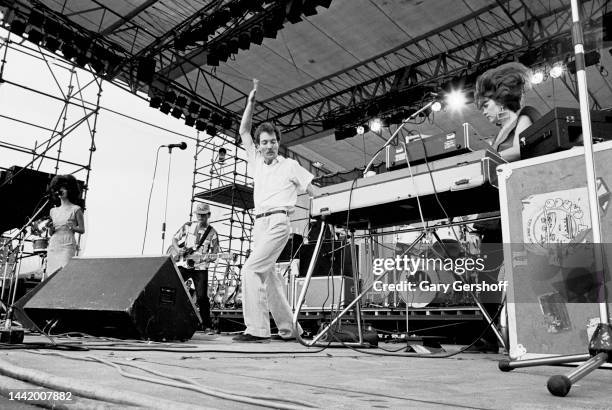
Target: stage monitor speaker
[{"x": 129, "y": 298}]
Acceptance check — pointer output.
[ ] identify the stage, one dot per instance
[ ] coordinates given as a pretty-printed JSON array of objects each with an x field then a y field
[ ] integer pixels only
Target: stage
[{"x": 332, "y": 378}]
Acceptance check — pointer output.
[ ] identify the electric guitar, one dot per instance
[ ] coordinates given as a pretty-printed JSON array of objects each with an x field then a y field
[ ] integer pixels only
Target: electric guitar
[{"x": 191, "y": 259}]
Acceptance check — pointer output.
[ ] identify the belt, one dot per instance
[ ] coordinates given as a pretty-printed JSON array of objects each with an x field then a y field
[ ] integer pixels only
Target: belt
[{"x": 279, "y": 211}]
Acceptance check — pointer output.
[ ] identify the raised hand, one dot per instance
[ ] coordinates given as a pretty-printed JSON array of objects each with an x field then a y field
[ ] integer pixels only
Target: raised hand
[{"x": 253, "y": 91}]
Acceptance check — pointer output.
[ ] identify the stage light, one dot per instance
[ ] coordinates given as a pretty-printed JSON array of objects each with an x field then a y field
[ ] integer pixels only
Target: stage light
[
  {"x": 216, "y": 118},
  {"x": 204, "y": 113},
  {"x": 68, "y": 51},
  {"x": 328, "y": 123},
  {"x": 227, "y": 123},
  {"x": 52, "y": 44},
  {"x": 113, "y": 61},
  {"x": 165, "y": 108},
  {"x": 145, "y": 70},
  {"x": 170, "y": 97},
  {"x": 360, "y": 130},
  {"x": 52, "y": 28},
  {"x": 36, "y": 18},
  {"x": 222, "y": 52},
  {"x": 18, "y": 27},
  {"x": 232, "y": 45},
  {"x": 98, "y": 65},
  {"x": 344, "y": 133},
  {"x": 181, "y": 43},
  {"x": 177, "y": 112},
  {"x": 212, "y": 59},
  {"x": 200, "y": 125},
  {"x": 257, "y": 35},
  {"x": 537, "y": 77},
  {"x": 436, "y": 106},
  {"x": 211, "y": 130},
  {"x": 271, "y": 26},
  {"x": 189, "y": 121},
  {"x": 590, "y": 58},
  {"x": 35, "y": 36},
  {"x": 244, "y": 41},
  {"x": 81, "y": 59},
  {"x": 376, "y": 125},
  {"x": 455, "y": 100},
  {"x": 294, "y": 9},
  {"x": 155, "y": 101},
  {"x": 194, "y": 107},
  {"x": 181, "y": 101},
  {"x": 223, "y": 16},
  {"x": 557, "y": 70}
]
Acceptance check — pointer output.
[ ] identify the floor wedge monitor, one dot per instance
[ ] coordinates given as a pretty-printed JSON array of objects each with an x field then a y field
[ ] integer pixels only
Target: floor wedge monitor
[{"x": 128, "y": 297}]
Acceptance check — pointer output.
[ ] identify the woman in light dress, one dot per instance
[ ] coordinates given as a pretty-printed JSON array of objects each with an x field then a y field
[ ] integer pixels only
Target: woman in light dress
[{"x": 66, "y": 220}]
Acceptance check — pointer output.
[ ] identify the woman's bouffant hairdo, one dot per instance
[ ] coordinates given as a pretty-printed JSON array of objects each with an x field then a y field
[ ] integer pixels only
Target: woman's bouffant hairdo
[
  {"x": 270, "y": 129},
  {"x": 506, "y": 85},
  {"x": 72, "y": 186}
]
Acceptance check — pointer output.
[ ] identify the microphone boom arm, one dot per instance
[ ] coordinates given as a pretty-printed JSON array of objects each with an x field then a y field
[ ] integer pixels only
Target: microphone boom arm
[{"x": 413, "y": 115}]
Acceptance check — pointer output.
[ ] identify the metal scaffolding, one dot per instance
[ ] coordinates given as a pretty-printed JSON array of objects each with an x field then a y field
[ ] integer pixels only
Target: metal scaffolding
[
  {"x": 76, "y": 94},
  {"x": 221, "y": 180}
]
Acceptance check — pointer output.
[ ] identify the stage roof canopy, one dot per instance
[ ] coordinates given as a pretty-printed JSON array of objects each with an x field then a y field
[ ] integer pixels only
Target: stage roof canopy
[{"x": 351, "y": 61}]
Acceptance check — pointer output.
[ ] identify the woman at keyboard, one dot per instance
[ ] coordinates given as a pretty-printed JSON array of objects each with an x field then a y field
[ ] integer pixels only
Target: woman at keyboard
[{"x": 500, "y": 93}]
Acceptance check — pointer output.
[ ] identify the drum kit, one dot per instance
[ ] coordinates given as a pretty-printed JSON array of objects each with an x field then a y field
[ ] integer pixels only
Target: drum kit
[
  {"x": 40, "y": 230},
  {"x": 425, "y": 282}
]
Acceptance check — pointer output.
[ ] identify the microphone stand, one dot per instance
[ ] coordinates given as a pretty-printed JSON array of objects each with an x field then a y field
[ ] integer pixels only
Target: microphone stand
[
  {"x": 163, "y": 235},
  {"x": 600, "y": 345},
  {"x": 10, "y": 334},
  {"x": 414, "y": 115}
]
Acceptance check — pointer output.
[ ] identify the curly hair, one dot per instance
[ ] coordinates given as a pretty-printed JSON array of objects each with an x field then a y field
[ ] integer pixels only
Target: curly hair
[
  {"x": 506, "y": 85},
  {"x": 270, "y": 129},
  {"x": 71, "y": 184}
]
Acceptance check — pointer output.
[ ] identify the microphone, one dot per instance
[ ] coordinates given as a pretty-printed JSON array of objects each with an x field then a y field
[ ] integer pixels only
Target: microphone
[{"x": 182, "y": 145}]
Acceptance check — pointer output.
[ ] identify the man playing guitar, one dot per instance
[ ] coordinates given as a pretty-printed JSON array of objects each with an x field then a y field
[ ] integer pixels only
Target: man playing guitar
[{"x": 195, "y": 245}]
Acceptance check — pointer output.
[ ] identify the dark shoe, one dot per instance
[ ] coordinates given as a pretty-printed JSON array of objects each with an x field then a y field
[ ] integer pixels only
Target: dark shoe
[
  {"x": 282, "y": 339},
  {"x": 247, "y": 338}
]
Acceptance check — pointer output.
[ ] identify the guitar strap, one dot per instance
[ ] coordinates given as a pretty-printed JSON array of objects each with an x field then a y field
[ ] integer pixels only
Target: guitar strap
[{"x": 204, "y": 236}]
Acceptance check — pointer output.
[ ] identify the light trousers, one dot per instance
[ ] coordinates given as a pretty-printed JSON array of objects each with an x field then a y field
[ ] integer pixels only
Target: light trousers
[{"x": 264, "y": 290}]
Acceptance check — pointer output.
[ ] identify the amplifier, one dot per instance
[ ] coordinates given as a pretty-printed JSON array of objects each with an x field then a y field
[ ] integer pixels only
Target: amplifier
[
  {"x": 439, "y": 146},
  {"x": 561, "y": 129},
  {"x": 329, "y": 292}
]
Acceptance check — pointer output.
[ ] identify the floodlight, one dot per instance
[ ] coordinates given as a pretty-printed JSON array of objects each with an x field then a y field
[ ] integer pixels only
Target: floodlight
[
  {"x": 455, "y": 100},
  {"x": 537, "y": 77},
  {"x": 557, "y": 70},
  {"x": 376, "y": 125}
]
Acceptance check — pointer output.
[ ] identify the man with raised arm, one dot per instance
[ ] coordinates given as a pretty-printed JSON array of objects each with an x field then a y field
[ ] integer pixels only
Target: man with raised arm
[{"x": 278, "y": 181}]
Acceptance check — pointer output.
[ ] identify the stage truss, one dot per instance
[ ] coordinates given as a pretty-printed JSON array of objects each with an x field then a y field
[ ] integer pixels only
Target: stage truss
[{"x": 75, "y": 95}]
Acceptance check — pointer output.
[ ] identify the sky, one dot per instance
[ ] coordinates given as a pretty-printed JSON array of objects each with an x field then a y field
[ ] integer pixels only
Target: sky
[{"x": 122, "y": 164}]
